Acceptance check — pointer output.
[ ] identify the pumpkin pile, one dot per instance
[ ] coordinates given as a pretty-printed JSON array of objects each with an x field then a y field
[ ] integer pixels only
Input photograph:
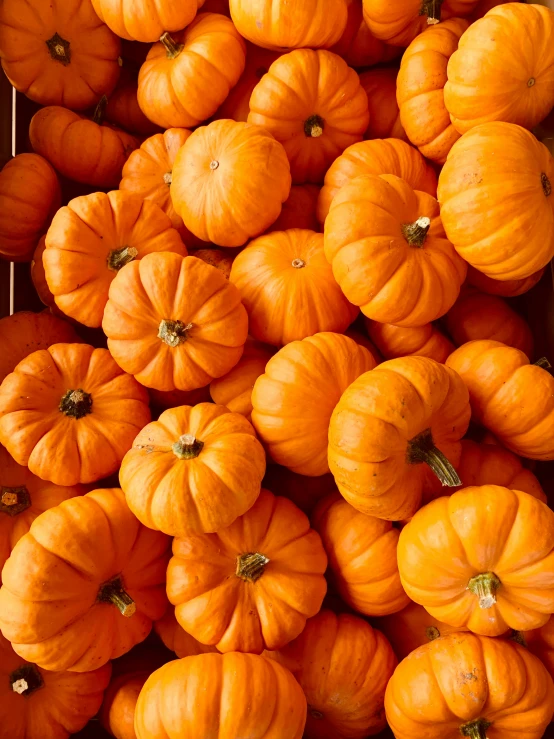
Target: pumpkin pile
[{"x": 272, "y": 457}]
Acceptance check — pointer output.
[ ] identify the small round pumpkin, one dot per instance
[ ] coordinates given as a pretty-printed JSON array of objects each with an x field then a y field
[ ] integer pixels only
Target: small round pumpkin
[
  {"x": 176, "y": 638},
  {"x": 358, "y": 46},
  {"x": 299, "y": 210},
  {"x": 313, "y": 103},
  {"x": 305, "y": 492},
  {"x": 174, "y": 322},
  {"x": 91, "y": 239},
  {"x": 222, "y": 259},
  {"x": 295, "y": 397},
  {"x": 384, "y": 117},
  {"x": 186, "y": 77},
  {"x": 421, "y": 341},
  {"x": 147, "y": 21},
  {"x": 229, "y": 182},
  {"x": 504, "y": 289},
  {"x": 288, "y": 288},
  {"x": 30, "y": 194},
  {"x": 540, "y": 642},
  {"x": 362, "y": 557},
  {"x": 250, "y": 586},
  {"x": 123, "y": 109}
]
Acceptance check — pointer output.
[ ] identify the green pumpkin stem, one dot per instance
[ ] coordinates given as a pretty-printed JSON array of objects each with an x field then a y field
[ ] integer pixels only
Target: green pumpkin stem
[
  {"x": 173, "y": 333},
  {"x": 25, "y": 680},
  {"x": 432, "y": 9},
  {"x": 76, "y": 404},
  {"x": 118, "y": 258},
  {"x": 475, "y": 729},
  {"x": 113, "y": 592},
  {"x": 543, "y": 363},
  {"x": 59, "y": 49},
  {"x": 518, "y": 637},
  {"x": 251, "y": 566},
  {"x": 173, "y": 49},
  {"x": 422, "y": 449},
  {"x": 484, "y": 586},
  {"x": 187, "y": 447},
  {"x": 415, "y": 233},
  {"x": 14, "y": 500}
]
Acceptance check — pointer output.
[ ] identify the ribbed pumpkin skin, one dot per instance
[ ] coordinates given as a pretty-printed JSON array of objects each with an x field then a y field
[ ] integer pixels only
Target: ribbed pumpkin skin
[
  {"x": 147, "y": 21},
  {"x": 176, "y": 638},
  {"x": 384, "y": 118},
  {"x": 420, "y": 341},
  {"x": 506, "y": 288}
]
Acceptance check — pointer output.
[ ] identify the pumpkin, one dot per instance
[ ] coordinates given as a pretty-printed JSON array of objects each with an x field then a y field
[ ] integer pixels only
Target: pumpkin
[
  {"x": 540, "y": 642},
  {"x": 384, "y": 118},
  {"x": 509, "y": 396},
  {"x": 288, "y": 288},
  {"x": 58, "y": 54},
  {"x": 174, "y": 322},
  {"x": 176, "y": 638},
  {"x": 234, "y": 389},
  {"x": 421, "y": 341},
  {"x": 305, "y": 492},
  {"x": 227, "y": 696},
  {"x": 91, "y": 239},
  {"x": 123, "y": 109},
  {"x": 29, "y": 196},
  {"x": 506, "y": 167},
  {"x": 420, "y": 91},
  {"x": 252, "y": 585},
  {"x": 39, "y": 704},
  {"x": 406, "y": 412},
  {"x": 389, "y": 253},
  {"x": 477, "y": 315},
  {"x": 186, "y": 77},
  {"x": 295, "y": 397},
  {"x": 358, "y": 46},
  {"x": 299, "y": 210},
  {"x": 229, "y": 182},
  {"x": 387, "y": 156},
  {"x": 278, "y": 25},
  {"x": 343, "y": 667},
  {"x": 161, "y": 400},
  {"x": 25, "y": 332},
  {"x": 410, "y": 628},
  {"x": 505, "y": 289},
  {"x": 69, "y": 413},
  {"x": 91, "y": 555},
  {"x": 147, "y": 21},
  {"x": 522, "y": 92},
  {"x": 490, "y": 567},
  {"x": 473, "y": 686},
  {"x": 219, "y": 258},
  {"x": 38, "y": 279},
  {"x": 313, "y": 103},
  {"x": 362, "y": 557},
  {"x": 79, "y": 148},
  {"x": 193, "y": 470}
]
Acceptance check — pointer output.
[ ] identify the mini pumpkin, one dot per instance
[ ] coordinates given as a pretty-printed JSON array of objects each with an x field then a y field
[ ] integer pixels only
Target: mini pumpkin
[
  {"x": 506, "y": 288},
  {"x": 123, "y": 109},
  {"x": 420, "y": 341},
  {"x": 250, "y": 586},
  {"x": 540, "y": 642},
  {"x": 358, "y": 46},
  {"x": 305, "y": 492},
  {"x": 70, "y": 413},
  {"x": 222, "y": 259},
  {"x": 384, "y": 117},
  {"x": 174, "y": 322},
  {"x": 295, "y": 397},
  {"x": 299, "y": 210},
  {"x": 148, "y": 21},
  {"x": 176, "y": 638}
]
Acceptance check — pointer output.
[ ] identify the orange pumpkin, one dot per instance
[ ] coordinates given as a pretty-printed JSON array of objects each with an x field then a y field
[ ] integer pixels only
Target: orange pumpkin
[
  {"x": 389, "y": 253},
  {"x": 145, "y": 22},
  {"x": 358, "y": 46},
  {"x": 185, "y": 78},
  {"x": 92, "y": 555},
  {"x": 250, "y": 586},
  {"x": 219, "y": 258},
  {"x": 288, "y": 288},
  {"x": 174, "y": 322},
  {"x": 362, "y": 557},
  {"x": 506, "y": 167},
  {"x": 39, "y": 704},
  {"x": 471, "y": 686},
  {"x": 69, "y": 413},
  {"x": 229, "y": 182},
  {"x": 420, "y": 94},
  {"x": 421, "y": 341},
  {"x": 505, "y": 289},
  {"x": 541, "y": 643},
  {"x": 522, "y": 91},
  {"x": 404, "y": 413},
  {"x": 295, "y": 397},
  {"x": 299, "y": 210},
  {"x": 29, "y": 196},
  {"x": 58, "y": 54},
  {"x": 509, "y": 396},
  {"x": 123, "y": 109},
  {"x": 343, "y": 667},
  {"x": 91, "y": 239},
  {"x": 313, "y": 103},
  {"x": 387, "y": 156},
  {"x": 305, "y": 492},
  {"x": 176, "y": 638},
  {"x": 384, "y": 117},
  {"x": 80, "y": 148}
]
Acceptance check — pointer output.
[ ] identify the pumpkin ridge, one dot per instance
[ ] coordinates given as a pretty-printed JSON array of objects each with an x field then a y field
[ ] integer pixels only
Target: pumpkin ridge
[
  {"x": 60, "y": 49},
  {"x": 14, "y": 500},
  {"x": 26, "y": 680}
]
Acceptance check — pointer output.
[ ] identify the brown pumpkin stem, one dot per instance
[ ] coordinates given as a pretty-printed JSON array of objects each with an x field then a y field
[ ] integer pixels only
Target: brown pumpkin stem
[
  {"x": 173, "y": 333},
  {"x": 100, "y": 110},
  {"x": 112, "y": 592},
  {"x": 476, "y": 729},
  {"x": 59, "y": 49},
  {"x": 168, "y": 178},
  {"x": 298, "y": 263},
  {"x": 415, "y": 233},
  {"x": 432, "y": 9},
  {"x": 14, "y": 500},
  {"x": 313, "y": 126},
  {"x": 422, "y": 449},
  {"x": 546, "y": 184},
  {"x": 484, "y": 586},
  {"x": 432, "y": 633},
  {"x": 173, "y": 49},
  {"x": 26, "y": 680},
  {"x": 251, "y": 566},
  {"x": 118, "y": 258},
  {"x": 187, "y": 447},
  {"x": 76, "y": 404},
  {"x": 518, "y": 637},
  {"x": 543, "y": 363}
]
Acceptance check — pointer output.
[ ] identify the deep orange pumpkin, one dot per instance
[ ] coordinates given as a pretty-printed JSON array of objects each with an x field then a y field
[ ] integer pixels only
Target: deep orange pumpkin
[
  {"x": 147, "y": 21},
  {"x": 384, "y": 116},
  {"x": 358, "y": 46},
  {"x": 541, "y": 643},
  {"x": 506, "y": 288},
  {"x": 421, "y": 341},
  {"x": 176, "y": 638},
  {"x": 222, "y": 259},
  {"x": 123, "y": 109}
]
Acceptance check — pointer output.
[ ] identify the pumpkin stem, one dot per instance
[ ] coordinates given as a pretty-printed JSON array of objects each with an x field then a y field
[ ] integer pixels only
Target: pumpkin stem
[
  {"x": 112, "y": 592},
  {"x": 476, "y": 729},
  {"x": 518, "y": 637},
  {"x": 118, "y": 258},
  {"x": 173, "y": 333},
  {"x": 172, "y": 48},
  {"x": 432, "y": 9},
  {"x": 14, "y": 500},
  {"x": 422, "y": 449},
  {"x": 432, "y": 633},
  {"x": 313, "y": 126},
  {"x": 543, "y": 363},
  {"x": 25, "y": 680},
  {"x": 59, "y": 49},
  {"x": 314, "y": 713},
  {"x": 188, "y": 447},
  {"x": 298, "y": 263},
  {"x": 76, "y": 404},
  {"x": 415, "y": 233},
  {"x": 546, "y": 184},
  {"x": 100, "y": 110},
  {"x": 484, "y": 586},
  {"x": 251, "y": 566},
  {"x": 168, "y": 178}
]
